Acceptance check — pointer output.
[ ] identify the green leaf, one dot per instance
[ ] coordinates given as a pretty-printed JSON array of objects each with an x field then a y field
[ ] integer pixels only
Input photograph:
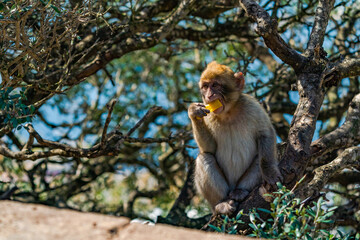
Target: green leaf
[
  {"x": 215, "y": 228},
  {"x": 226, "y": 219},
  {"x": 332, "y": 208},
  {"x": 327, "y": 221},
  {"x": 264, "y": 210},
  {"x": 252, "y": 226},
  {"x": 357, "y": 236},
  {"x": 32, "y": 109},
  {"x": 14, "y": 122},
  {"x": 55, "y": 8},
  {"x": 8, "y": 90},
  {"x": 340, "y": 233},
  {"x": 252, "y": 217},
  {"x": 311, "y": 212},
  {"x": 326, "y": 233},
  {"x": 319, "y": 203},
  {"x": 329, "y": 214},
  {"x": 238, "y": 216},
  {"x": 287, "y": 228},
  {"x": 308, "y": 237}
]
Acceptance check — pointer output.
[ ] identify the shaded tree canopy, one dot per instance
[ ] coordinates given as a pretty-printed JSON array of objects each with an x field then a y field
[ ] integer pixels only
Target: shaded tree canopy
[{"x": 94, "y": 98}]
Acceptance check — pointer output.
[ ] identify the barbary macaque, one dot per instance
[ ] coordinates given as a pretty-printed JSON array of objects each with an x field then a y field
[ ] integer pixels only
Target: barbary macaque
[{"x": 237, "y": 142}]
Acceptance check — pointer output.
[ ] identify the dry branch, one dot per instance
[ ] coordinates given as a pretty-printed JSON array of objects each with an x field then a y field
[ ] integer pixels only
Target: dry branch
[
  {"x": 345, "y": 136},
  {"x": 147, "y": 115},
  {"x": 350, "y": 157},
  {"x": 349, "y": 67},
  {"x": 267, "y": 28},
  {"x": 111, "y": 105},
  {"x": 133, "y": 43},
  {"x": 109, "y": 145},
  {"x": 322, "y": 15}
]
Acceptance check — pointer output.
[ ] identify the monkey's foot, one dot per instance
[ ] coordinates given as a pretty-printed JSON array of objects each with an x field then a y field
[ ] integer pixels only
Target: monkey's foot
[
  {"x": 238, "y": 194},
  {"x": 227, "y": 207}
]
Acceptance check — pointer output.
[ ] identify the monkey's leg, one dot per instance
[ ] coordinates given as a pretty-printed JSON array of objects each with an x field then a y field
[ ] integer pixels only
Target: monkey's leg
[
  {"x": 210, "y": 180},
  {"x": 250, "y": 179},
  {"x": 268, "y": 159}
]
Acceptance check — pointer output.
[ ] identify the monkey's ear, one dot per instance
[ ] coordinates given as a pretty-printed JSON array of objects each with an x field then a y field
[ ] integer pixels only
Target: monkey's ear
[{"x": 240, "y": 80}]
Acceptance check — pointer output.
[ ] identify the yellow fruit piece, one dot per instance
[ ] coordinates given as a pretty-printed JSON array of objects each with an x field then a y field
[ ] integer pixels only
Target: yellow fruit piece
[{"x": 213, "y": 105}]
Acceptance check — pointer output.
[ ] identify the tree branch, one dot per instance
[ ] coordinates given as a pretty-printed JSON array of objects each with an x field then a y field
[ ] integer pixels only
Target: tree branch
[
  {"x": 349, "y": 67},
  {"x": 350, "y": 157},
  {"x": 321, "y": 21},
  {"x": 107, "y": 122},
  {"x": 135, "y": 42},
  {"x": 345, "y": 136},
  {"x": 267, "y": 28},
  {"x": 108, "y": 147},
  {"x": 297, "y": 153},
  {"x": 147, "y": 115}
]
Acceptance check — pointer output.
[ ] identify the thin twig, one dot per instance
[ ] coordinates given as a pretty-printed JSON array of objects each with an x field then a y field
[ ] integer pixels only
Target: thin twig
[
  {"x": 111, "y": 105},
  {"x": 147, "y": 115}
]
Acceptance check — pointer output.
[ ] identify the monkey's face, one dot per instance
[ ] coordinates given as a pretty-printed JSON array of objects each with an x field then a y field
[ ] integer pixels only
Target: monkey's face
[
  {"x": 212, "y": 90},
  {"x": 220, "y": 82}
]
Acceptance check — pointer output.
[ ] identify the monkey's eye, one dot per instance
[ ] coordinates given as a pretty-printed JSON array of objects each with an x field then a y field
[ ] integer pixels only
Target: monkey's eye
[
  {"x": 215, "y": 85},
  {"x": 205, "y": 86}
]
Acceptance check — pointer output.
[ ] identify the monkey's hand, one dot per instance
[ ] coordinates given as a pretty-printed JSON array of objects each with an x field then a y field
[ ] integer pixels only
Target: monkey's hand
[
  {"x": 271, "y": 175},
  {"x": 197, "y": 111}
]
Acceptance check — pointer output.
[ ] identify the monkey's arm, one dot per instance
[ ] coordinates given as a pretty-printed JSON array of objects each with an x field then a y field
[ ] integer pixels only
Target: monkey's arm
[
  {"x": 202, "y": 135},
  {"x": 268, "y": 157}
]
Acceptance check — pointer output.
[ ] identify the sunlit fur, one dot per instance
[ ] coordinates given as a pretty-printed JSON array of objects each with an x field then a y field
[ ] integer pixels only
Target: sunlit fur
[
  {"x": 224, "y": 75},
  {"x": 233, "y": 144}
]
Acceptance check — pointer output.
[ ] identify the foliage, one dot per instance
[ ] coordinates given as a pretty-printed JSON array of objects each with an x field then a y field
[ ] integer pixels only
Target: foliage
[
  {"x": 14, "y": 110},
  {"x": 288, "y": 218},
  {"x": 229, "y": 225},
  {"x": 292, "y": 219}
]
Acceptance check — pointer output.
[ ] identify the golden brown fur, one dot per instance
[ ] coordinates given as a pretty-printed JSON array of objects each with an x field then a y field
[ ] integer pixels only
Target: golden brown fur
[{"x": 236, "y": 142}]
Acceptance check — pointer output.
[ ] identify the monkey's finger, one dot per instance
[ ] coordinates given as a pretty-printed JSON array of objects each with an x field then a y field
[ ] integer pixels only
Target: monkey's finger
[
  {"x": 205, "y": 110},
  {"x": 200, "y": 105},
  {"x": 204, "y": 114},
  {"x": 200, "y": 114}
]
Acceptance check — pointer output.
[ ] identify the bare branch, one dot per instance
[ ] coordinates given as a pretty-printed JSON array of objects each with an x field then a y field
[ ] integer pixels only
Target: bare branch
[
  {"x": 297, "y": 153},
  {"x": 109, "y": 145},
  {"x": 147, "y": 115},
  {"x": 135, "y": 42},
  {"x": 321, "y": 21},
  {"x": 267, "y": 28},
  {"x": 107, "y": 122},
  {"x": 93, "y": 152},
  {"x": 350, "y": 157},
  {"x": 345, "y": 136},
  {"x": 349, "y": 67},
  {"x": 183, "y": 9}
]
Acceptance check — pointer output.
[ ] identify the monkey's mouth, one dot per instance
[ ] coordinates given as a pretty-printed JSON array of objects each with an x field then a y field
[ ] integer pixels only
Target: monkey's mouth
[{"x": 221, "y": 108}]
